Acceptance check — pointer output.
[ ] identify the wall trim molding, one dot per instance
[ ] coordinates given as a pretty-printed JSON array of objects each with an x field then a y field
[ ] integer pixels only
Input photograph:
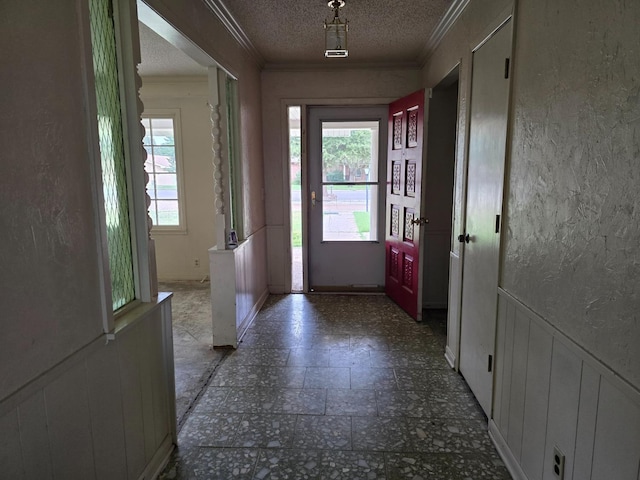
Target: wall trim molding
[
  {"x": 224, "y": 15},
  {"x": 600, "y": 367},
  {"x": 505, "y": 452},
  {"x": 450, "y": 17}
]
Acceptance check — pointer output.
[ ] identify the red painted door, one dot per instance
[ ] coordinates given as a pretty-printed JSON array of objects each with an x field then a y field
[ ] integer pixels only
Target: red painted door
[{"x": 403, "y": 220}]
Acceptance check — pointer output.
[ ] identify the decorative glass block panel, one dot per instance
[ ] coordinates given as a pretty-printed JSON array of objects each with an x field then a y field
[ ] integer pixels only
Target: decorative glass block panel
[
  {"x": 410, "y": 182},
  {"x": 397, "y": 131},
  {"x": 112, "y": 152},
  {"x": 412, "y": 127}
]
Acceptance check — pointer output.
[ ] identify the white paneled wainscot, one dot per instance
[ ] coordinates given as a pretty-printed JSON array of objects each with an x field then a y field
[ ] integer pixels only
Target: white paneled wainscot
[
  {"x": 105, "y": 412},
  {"x": 238, "y": 288},
  {"x": 551, "y": 394}
]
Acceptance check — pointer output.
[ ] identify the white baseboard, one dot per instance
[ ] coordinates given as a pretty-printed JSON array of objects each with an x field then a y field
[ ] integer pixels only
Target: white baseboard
[
  {"x": 450, "y": 357},
  {"x": 505, "y": 453},
  {"x": 248, "y": 320}
]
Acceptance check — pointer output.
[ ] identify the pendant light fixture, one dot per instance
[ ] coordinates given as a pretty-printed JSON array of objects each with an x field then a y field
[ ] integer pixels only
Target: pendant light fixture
[{"x": 335, "y": 32}]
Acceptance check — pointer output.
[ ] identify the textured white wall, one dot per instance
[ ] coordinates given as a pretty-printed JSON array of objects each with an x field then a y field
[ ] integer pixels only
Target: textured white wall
[
  {"x": 176, "y": 252},
  {"x": 573, "y": 206},
  {"x": 352, "y": 86},
  {"x": 49, "y": 273},
  {"x": 572, "y": 197}
]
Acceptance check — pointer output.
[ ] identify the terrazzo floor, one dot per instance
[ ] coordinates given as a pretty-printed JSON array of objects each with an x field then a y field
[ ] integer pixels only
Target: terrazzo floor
[{"x": 336, "y": 387}]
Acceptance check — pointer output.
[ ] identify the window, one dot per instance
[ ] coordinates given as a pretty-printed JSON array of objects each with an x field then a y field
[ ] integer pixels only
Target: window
[
  {"x": 350, "y": 181},
  {"x": 163, "y": 166},
  {"x": 112, "y": 156}
]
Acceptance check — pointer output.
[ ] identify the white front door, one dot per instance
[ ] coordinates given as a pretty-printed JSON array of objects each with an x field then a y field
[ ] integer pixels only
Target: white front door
[
  {"x": 347, "y": 171},
  {"x": 487, "y": 148}
]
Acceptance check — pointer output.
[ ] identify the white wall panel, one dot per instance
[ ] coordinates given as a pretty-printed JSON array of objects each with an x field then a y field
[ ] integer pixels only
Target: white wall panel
[
  {"x": 34, "y": 438},
  {"x": 453, "y": 314},
  {"x": 564, "y": 396},
  {"x": 107, "y": 421},
  {"x": 518, "y": 382},
  {"x": 69, "y": 422},
  {"x": 538, "y": 371},
  {"x": 131, "y": 402},
  {"x": 586, "y": 430},
  {"x": 10, "y": 455},
  {"x": 617, "y": 441},
  {"x": 571, "y": 401}
]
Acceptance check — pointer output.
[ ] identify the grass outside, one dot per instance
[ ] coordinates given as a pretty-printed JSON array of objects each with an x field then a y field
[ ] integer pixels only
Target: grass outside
[{"x": 363, "y": 223}]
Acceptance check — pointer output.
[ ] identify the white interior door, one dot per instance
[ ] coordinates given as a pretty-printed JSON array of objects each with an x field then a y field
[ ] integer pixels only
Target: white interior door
[
  {"x": 347, "y": 166},
  {"x": 487, "y": 148}
]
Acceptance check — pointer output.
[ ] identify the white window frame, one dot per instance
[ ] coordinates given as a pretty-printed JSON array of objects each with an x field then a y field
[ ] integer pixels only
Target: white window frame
[{"x": 174, "y": 114}]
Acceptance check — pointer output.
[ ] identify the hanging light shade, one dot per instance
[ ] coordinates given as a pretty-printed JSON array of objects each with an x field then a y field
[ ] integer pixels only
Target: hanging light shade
[{"x": 335, "y": 32}]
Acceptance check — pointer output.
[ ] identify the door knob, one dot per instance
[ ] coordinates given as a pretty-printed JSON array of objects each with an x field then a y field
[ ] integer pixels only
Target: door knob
[
  {"x": 419, "y": 221},
  {"x": 464, "y": 238}
]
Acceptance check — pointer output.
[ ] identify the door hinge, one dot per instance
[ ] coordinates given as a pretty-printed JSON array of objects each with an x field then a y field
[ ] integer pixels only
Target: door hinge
[
  {"x": 506, "y": 67},
  {"x": 490, "y": 363},
  {"x": 430, "y": 92},
  {"x": 497, "y": 223}
]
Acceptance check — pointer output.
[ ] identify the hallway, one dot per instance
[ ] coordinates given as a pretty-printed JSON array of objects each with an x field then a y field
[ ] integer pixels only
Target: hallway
[{"x": 336, "y": 387}]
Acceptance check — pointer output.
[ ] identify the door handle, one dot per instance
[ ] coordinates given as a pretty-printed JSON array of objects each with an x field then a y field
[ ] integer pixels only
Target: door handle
[
  {"x": 464, "y": 238},
  {"x": 313, "y": 198},
  {"x": 419, "y": 221}
]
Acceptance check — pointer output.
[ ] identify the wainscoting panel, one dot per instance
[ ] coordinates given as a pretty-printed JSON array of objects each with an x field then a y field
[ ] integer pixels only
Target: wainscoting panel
[
  {"x": 33, "y": 425},
  {"x": 102, "y": 413},
  {"x": 536, "y": 401},
  {"x": 550, "y": 393}
]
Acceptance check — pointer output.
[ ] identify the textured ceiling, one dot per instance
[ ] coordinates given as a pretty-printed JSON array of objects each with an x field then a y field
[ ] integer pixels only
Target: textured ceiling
[
  {"x": 160, "y": 58},
  {"x": 379, "y": 31},
  {"x": 291, "y": 33}
]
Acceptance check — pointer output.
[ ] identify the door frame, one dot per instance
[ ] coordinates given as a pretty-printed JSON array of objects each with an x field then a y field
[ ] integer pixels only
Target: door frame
[
  {"x": 304, "y": 104},
  {"x": 456, "y": 273}
]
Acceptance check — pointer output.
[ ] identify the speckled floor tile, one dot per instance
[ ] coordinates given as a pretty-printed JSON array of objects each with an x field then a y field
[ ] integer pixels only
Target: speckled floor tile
[
  {"x": 381, "y": 434},
  {"x": 412, "y": 359},
  {"x": 313, "y": 464},
  {"x": 323, "y": 432},
  {"x": 438, "y": 435},
  {"x": 421, "y": 466},
  {"x": 211, "y": 430},
  {"x": 289, "y": 465},
  {"x": 351, "y": 402},
  {"x": 265, "y": 431},
  {"x": 227, "y": 463},
  {"x": 304, "y": 357},
  {"x": 211, "y": 400},
  {"x": 258, "y": 356},
  {"x": 309, "y": 401},
  {"x": 258, "y": 376},
  {"x": 369, "y": 342},
  {"x": 327, "y": 377},
  {"x": 373, "y": 378},
  {"x": 349, "y": 358},
  {"x": 269, "y": 340},
  {"x": 336, "y": 387},
  {"x": 404, "y": 403},
  {"x": 325, "y": 341},
  {"x": 249, "y": 400},
  {"x": 430, "y": 379}
]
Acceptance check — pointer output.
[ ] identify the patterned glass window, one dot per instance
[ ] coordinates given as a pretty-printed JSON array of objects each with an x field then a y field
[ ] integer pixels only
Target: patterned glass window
[
  {"x": 162, "y": 167},
  {"x": 110, "y": 134}
]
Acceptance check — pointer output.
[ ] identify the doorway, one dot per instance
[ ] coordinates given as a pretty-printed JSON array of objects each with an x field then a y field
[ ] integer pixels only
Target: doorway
[
  {"x": 438, "y": 199},
  {"x": 347, "y": 170}
]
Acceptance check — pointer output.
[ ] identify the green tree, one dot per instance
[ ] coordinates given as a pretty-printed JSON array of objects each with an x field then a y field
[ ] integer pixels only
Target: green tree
[{"x": 352, "y": 151}]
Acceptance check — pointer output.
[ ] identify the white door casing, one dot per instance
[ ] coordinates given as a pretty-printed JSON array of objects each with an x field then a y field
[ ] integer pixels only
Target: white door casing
[
  {"x": 487, "y": 149},
  {"x": 343, "y": 265}
]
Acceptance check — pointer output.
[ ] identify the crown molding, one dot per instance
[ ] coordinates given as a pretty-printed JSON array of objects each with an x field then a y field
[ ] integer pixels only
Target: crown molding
[
  {"x": 223, "y": 14},
  {"x": 340, "y": 65},
  {"x": 454, "y": 12}
]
